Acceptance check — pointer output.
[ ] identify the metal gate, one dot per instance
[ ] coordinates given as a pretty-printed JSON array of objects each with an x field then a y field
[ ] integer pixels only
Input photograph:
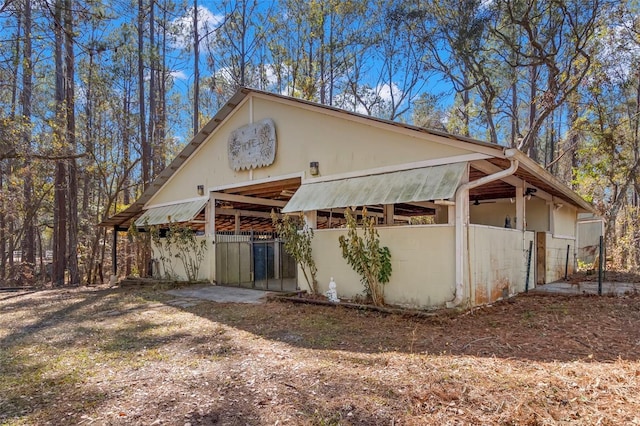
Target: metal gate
[{"x": 254, "y": 260}]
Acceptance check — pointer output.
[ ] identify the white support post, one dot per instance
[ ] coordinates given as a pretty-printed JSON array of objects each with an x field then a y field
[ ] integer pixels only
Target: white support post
[
  {"x": 521, "y": 219},
  {"x": 311, "y": 219},
  {"x": 451, "y": 215}
]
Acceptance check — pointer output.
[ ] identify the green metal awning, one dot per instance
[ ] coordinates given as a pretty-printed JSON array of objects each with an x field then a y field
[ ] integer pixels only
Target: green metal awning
[
  {"x": 424, "y": 184},
  {"x": 175, "y": 213}
]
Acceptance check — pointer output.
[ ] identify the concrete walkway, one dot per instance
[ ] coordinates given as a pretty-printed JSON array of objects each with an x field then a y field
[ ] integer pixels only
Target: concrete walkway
[
  {"x": 221, "y": 294},
  {"x": 589, "y": 287}
]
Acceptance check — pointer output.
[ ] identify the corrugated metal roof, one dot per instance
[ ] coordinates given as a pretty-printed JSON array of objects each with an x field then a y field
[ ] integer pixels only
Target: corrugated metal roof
[
  {"x": 175, "y": 213},
  {"x": 424, "y": 184}
]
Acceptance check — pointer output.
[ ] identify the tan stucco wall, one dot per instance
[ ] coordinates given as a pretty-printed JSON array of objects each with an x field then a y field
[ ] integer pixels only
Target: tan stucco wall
[
  {"x": 498, "y": 262},
  {"x": 422, "y": 258},
  {"x": 204, "y": 273},
  {"x": 492, "y": 214},
  {"x": 564, "y": 221},
  {"x": 537, "y": 213},
  {"x": 339, "y": 144}
]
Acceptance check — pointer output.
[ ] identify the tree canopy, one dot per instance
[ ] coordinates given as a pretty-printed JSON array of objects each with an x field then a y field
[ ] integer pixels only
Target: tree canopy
[{"x": 96, "y": 97}]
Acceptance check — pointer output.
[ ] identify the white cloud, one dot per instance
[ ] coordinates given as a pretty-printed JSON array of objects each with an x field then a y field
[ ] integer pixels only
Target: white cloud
[
  {"x": 183, "y": 26},
  {"x": 385, "y": 92},
  {"x": 178, "y": 75}
]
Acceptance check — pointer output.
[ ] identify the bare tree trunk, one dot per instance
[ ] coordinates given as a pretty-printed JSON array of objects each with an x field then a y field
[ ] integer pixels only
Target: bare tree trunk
[
  {"x": 466, "y": 101},
  {"x": 571, "y": 143},
  {"x": 7, "y": 240},
  {"x": 636, "y": 141},
  {"x": 144, "y": 143},
  {"x": 28, "y": 242},
  {"x": 533, "y": 109},
  {"x": 3, "y": 224},
  {"x": 72, "y": 187},
  {"x": 59, "y": 212},
  {"x": 126, "y": 152},
  {"x": 196, "y": 70},
  {"x": 636, "y": 183},
  {"x": 243, "y": 48},
  {"x": 153, "y": 89},
  {"x": 100, "y": 264},
  {"x": 162, "y": 113},
  {"x": 43, "y": 270},
  {"x": 515, "y": 128}
]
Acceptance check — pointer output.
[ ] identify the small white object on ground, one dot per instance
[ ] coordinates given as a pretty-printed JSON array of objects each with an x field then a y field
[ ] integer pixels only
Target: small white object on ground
[{"x": 332, "y": 293}]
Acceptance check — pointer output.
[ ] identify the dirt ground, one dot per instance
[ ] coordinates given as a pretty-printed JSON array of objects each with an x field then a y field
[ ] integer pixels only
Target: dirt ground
[{"x": 140, "y": 356}]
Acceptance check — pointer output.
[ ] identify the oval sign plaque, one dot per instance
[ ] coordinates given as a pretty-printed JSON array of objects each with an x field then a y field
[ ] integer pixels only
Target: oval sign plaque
[{"x": 253, "y": 145}]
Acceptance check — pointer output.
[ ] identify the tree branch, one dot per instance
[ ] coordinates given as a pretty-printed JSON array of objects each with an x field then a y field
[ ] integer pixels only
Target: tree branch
[{"x": 48, "y": 157}]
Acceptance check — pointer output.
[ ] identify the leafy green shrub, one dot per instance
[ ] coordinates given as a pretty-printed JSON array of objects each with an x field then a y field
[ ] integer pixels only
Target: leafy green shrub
[
  {"x": 365, "y": 256},
  {"x": 297, "y": 238}
]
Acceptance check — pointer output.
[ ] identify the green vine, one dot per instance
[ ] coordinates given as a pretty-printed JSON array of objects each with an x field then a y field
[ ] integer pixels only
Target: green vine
[
  {"x": 365, "y": 256},
  {"x": 297, "y": 239}
]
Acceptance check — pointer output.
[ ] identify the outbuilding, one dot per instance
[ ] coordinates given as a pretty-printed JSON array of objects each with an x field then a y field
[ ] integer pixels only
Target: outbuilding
[{"x": 467, "y": 222}]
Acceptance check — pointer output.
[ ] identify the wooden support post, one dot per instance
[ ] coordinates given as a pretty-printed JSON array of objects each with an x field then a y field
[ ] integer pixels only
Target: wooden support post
[
  {"x": 211, "y": 222},
  {"x": 237, "y": 222},
  {"x": 541, "y": 257},
  {"x": 388, "y": 214}
]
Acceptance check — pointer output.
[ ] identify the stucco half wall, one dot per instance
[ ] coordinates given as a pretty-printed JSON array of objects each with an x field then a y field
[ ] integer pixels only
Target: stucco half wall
[
  {"x": 498, "y": 262},
  {"x": 173, "y": 267},
  {"x": 422, "y": 258}
]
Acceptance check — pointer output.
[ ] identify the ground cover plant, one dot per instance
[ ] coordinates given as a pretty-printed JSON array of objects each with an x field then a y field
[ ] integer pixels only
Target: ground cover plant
[{"x": 141, "y": 356}]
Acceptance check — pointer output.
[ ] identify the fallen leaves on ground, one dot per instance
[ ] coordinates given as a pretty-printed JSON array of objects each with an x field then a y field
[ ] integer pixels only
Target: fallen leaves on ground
[{"x": 139, "y": 356}]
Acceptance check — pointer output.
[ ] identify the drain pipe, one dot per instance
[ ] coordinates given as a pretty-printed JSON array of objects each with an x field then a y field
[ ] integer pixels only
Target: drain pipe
[{"x": 462, "y": 219}]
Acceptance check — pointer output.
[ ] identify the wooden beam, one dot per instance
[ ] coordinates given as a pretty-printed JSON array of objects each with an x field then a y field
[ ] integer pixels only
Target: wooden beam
[
  {"x": 247, "y": 200},
  {"x": 424, "y": 204},
  {"x": 489, "y": 168},
  {"x": 244, "y": 213}
]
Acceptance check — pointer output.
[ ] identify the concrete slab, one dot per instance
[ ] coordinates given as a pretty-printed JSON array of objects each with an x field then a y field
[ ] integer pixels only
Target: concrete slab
[
  {"x": 589, "y": 287},
  {"x": 221, "y": 294}
]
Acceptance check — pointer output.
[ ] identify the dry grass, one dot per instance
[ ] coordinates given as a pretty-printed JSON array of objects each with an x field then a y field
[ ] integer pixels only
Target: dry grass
[{"x": 116, "y": 356}]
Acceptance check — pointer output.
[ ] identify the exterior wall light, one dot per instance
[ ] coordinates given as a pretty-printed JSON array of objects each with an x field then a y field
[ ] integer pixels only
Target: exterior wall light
[
  {"x": 529, "y": 192},
  {"x": 200, "y": 189},
  {"x": 314, "y": 168}
]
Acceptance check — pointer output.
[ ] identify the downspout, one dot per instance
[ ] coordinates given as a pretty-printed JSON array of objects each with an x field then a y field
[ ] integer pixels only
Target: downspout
[{"x": 462, "y": 219}]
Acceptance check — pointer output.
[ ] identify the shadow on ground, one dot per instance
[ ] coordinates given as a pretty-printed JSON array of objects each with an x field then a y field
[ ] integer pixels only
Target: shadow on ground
[{"x": 528, "y": 327}]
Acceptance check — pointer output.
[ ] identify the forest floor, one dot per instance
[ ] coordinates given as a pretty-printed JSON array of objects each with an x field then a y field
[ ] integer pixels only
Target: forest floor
[{"x": 141, "y": 356}]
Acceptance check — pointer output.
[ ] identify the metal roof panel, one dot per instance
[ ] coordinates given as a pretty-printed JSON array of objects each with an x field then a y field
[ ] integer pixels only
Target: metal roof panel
[
  {"x": 174, "y": 213},
  {"x": 423, "y": 184}
]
